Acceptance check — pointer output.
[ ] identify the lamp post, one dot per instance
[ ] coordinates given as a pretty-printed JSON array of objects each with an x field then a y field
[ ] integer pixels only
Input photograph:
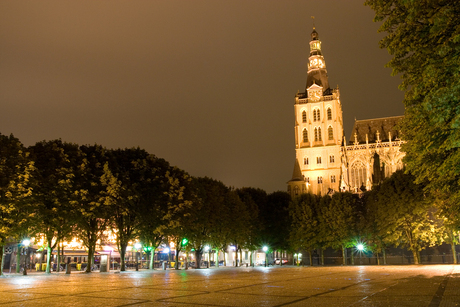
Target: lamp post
[
  {"x": 137, "y": 246},
  {"x": 25, "y": 243},
  {"x": 265, "y": 249}
]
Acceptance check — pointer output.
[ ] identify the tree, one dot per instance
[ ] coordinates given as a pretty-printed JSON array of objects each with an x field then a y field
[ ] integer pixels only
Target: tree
[
  {"x": 179, "y": 209},
  {"x": 339, "y": 214},
  {"x": 304, "y": 231},
  {"x": 15, "y": 191},
  {"x": 405, "y": 215},
  {"x": 153, "y": 207},
  {"x": 56, "y": 164},
  {"x": 93, "y": 207},
  {"x": 128, "y": 176},
  {"x": 211, "y": 216},
  {"x": 424, "y": 38}
]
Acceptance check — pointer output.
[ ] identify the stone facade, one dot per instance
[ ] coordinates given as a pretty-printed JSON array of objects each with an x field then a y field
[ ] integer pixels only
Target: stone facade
[{"x": 324, "y": 162}]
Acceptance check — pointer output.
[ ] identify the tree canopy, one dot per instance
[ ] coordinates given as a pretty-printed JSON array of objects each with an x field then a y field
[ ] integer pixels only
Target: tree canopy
[{"x": 423, "y": 36}]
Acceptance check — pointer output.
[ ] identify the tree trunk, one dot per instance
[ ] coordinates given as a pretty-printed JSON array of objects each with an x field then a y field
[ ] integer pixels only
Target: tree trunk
[
  {"x": 217, "y": 257},
  {"x": 344, "y": 258},
  {"x": 152, "y": 259},
  {"x": 352, "y": 256},
  {"x": 416, "y": 260},
  {"x": 241, "y": 257},
  {"x": 384, "y": 255},
  {"x": 90, "y": 259},
  {"x": 58, "y": 258},
  {"x": 122, "y": 256},
  {"x": 322, "y": 256},
  {"x": 1, "y": 260},
  {"x": 454, "y": 253},
  {"x": 310, "y": 257},
  {"x": 378, "y": 258},
  {"x": 176, "y": 264},
  {"x": 198, "y": 259},
  {"x": 236, "y": 257},
  {"x": 225, "y": 259},
  {"x": 18, "y": 258},
  {"x": 48, "y": 258}
]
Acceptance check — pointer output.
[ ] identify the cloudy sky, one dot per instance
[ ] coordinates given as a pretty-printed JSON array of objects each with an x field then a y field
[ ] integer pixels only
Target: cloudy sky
[{"x": 208, "y": 85}]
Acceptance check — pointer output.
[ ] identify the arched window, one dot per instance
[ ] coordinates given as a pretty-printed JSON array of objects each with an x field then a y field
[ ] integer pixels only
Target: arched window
[
  {"x": 305, "y": 135},
  {"x": 358, "y": 174},
  {"x": 319, "y": 134},
  {"x": 320, "y": 180},
  {"x": 329, "y": 114},
  {"x": 330, "y": 133},
  {"x": 333, "y": 179},
  {"x": 316, "y": 134},
  {"x": 305, "y": 161},
  {"x": 304, "y": 117},
  {"x": 316, "y": 116},
  {"x": 296, "y": 190},
  {"x": 318, "y": 160},
  {"x": 331, "y": 159}
]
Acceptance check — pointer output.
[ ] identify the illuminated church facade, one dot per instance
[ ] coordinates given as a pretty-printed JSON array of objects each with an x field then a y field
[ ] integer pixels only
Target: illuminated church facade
[{"x": 324, "y": 162}]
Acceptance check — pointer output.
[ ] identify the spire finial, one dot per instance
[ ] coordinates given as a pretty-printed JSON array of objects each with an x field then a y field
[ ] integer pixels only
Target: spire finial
[{"x": 313, "y": 19}]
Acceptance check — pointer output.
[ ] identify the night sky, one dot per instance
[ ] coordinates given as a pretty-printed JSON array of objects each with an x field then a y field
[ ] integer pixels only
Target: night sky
[{"x": 207, "y": 85}]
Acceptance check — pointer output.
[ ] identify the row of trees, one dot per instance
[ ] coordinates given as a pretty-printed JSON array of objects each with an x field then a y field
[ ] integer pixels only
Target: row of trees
[
  {"x": 61, "y": 190},
  {"x": 396, "y": 212}
]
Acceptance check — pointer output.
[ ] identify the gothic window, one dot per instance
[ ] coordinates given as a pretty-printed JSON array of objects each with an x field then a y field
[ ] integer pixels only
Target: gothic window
[
  {"x": 329, "y": 114},
  {"x": 305, "y": 161},
  {"x": 319, "y": 134},
  {"x": 296, "y": 190},
  {"x": 358, "y": 174},
  {"x": 304, "y": 117},
  {"x": 330, "y": 133},
  {"x": 316, "y": 117},
  {"x": 333, "y": 179},
  {"x": 318, "y": 160},
  {"x": 331, "y": 159},
  {"x": 320, "y": 180},
  {"x": 305, "y": 135}
]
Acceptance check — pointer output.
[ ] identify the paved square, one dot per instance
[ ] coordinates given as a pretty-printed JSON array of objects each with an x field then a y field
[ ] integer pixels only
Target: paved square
[{"x": 433, "y": 285}]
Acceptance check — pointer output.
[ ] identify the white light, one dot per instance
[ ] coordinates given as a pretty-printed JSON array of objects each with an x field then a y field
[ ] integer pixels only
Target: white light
[
  {"x": 265, "y": 248},
  {"x": 206, "y": 248},
  {"x": 26, "y": 242},
  {"x": 137, "y": 245},
  {"x": 166, "y": 250},
  {"x": 360, "y": 247}
]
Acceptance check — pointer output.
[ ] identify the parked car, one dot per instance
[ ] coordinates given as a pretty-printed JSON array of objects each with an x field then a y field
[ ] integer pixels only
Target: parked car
[{"x": 277, "y": 261}]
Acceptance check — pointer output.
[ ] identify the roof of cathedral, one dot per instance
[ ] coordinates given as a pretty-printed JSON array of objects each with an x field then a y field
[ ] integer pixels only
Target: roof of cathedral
[
  {"x": 371, "y": 126},
  {"x": 297, "y": 173}
]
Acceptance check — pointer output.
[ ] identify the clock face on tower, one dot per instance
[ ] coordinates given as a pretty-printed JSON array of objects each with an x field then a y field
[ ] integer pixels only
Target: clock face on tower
[{"x": 315, "y": 95}]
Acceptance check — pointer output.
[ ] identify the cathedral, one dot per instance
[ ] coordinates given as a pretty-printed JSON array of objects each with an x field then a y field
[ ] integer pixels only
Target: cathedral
[{"x": 325, "y": 163}]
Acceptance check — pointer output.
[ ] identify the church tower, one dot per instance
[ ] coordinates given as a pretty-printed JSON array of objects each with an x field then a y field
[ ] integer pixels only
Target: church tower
[{"x": 318, "y": 130}]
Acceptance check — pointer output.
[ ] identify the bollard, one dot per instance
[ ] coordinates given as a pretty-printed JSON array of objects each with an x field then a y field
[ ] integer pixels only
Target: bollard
[
  {"x": 68, "y": 268},
  {"x": 164, "y": 265}
]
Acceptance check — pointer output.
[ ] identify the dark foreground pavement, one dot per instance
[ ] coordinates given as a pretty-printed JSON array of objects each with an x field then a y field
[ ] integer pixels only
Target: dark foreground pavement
[{"x": 433, "y": 285}]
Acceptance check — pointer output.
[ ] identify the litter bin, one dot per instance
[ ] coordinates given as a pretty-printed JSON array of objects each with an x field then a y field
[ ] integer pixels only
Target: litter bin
[
  {"x": 43, "y": 266},
  {"x": 37, "y": 267},
  {"x": 164, "y": 265},
  {"x": 78, "y": 266}
]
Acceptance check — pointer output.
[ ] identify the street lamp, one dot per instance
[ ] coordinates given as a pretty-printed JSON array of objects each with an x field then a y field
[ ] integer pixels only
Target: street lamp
[
  {"x": 25, "y": 243},
  {"x": 265, "y": 249},
  {"x": 138, "y": 247}
]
